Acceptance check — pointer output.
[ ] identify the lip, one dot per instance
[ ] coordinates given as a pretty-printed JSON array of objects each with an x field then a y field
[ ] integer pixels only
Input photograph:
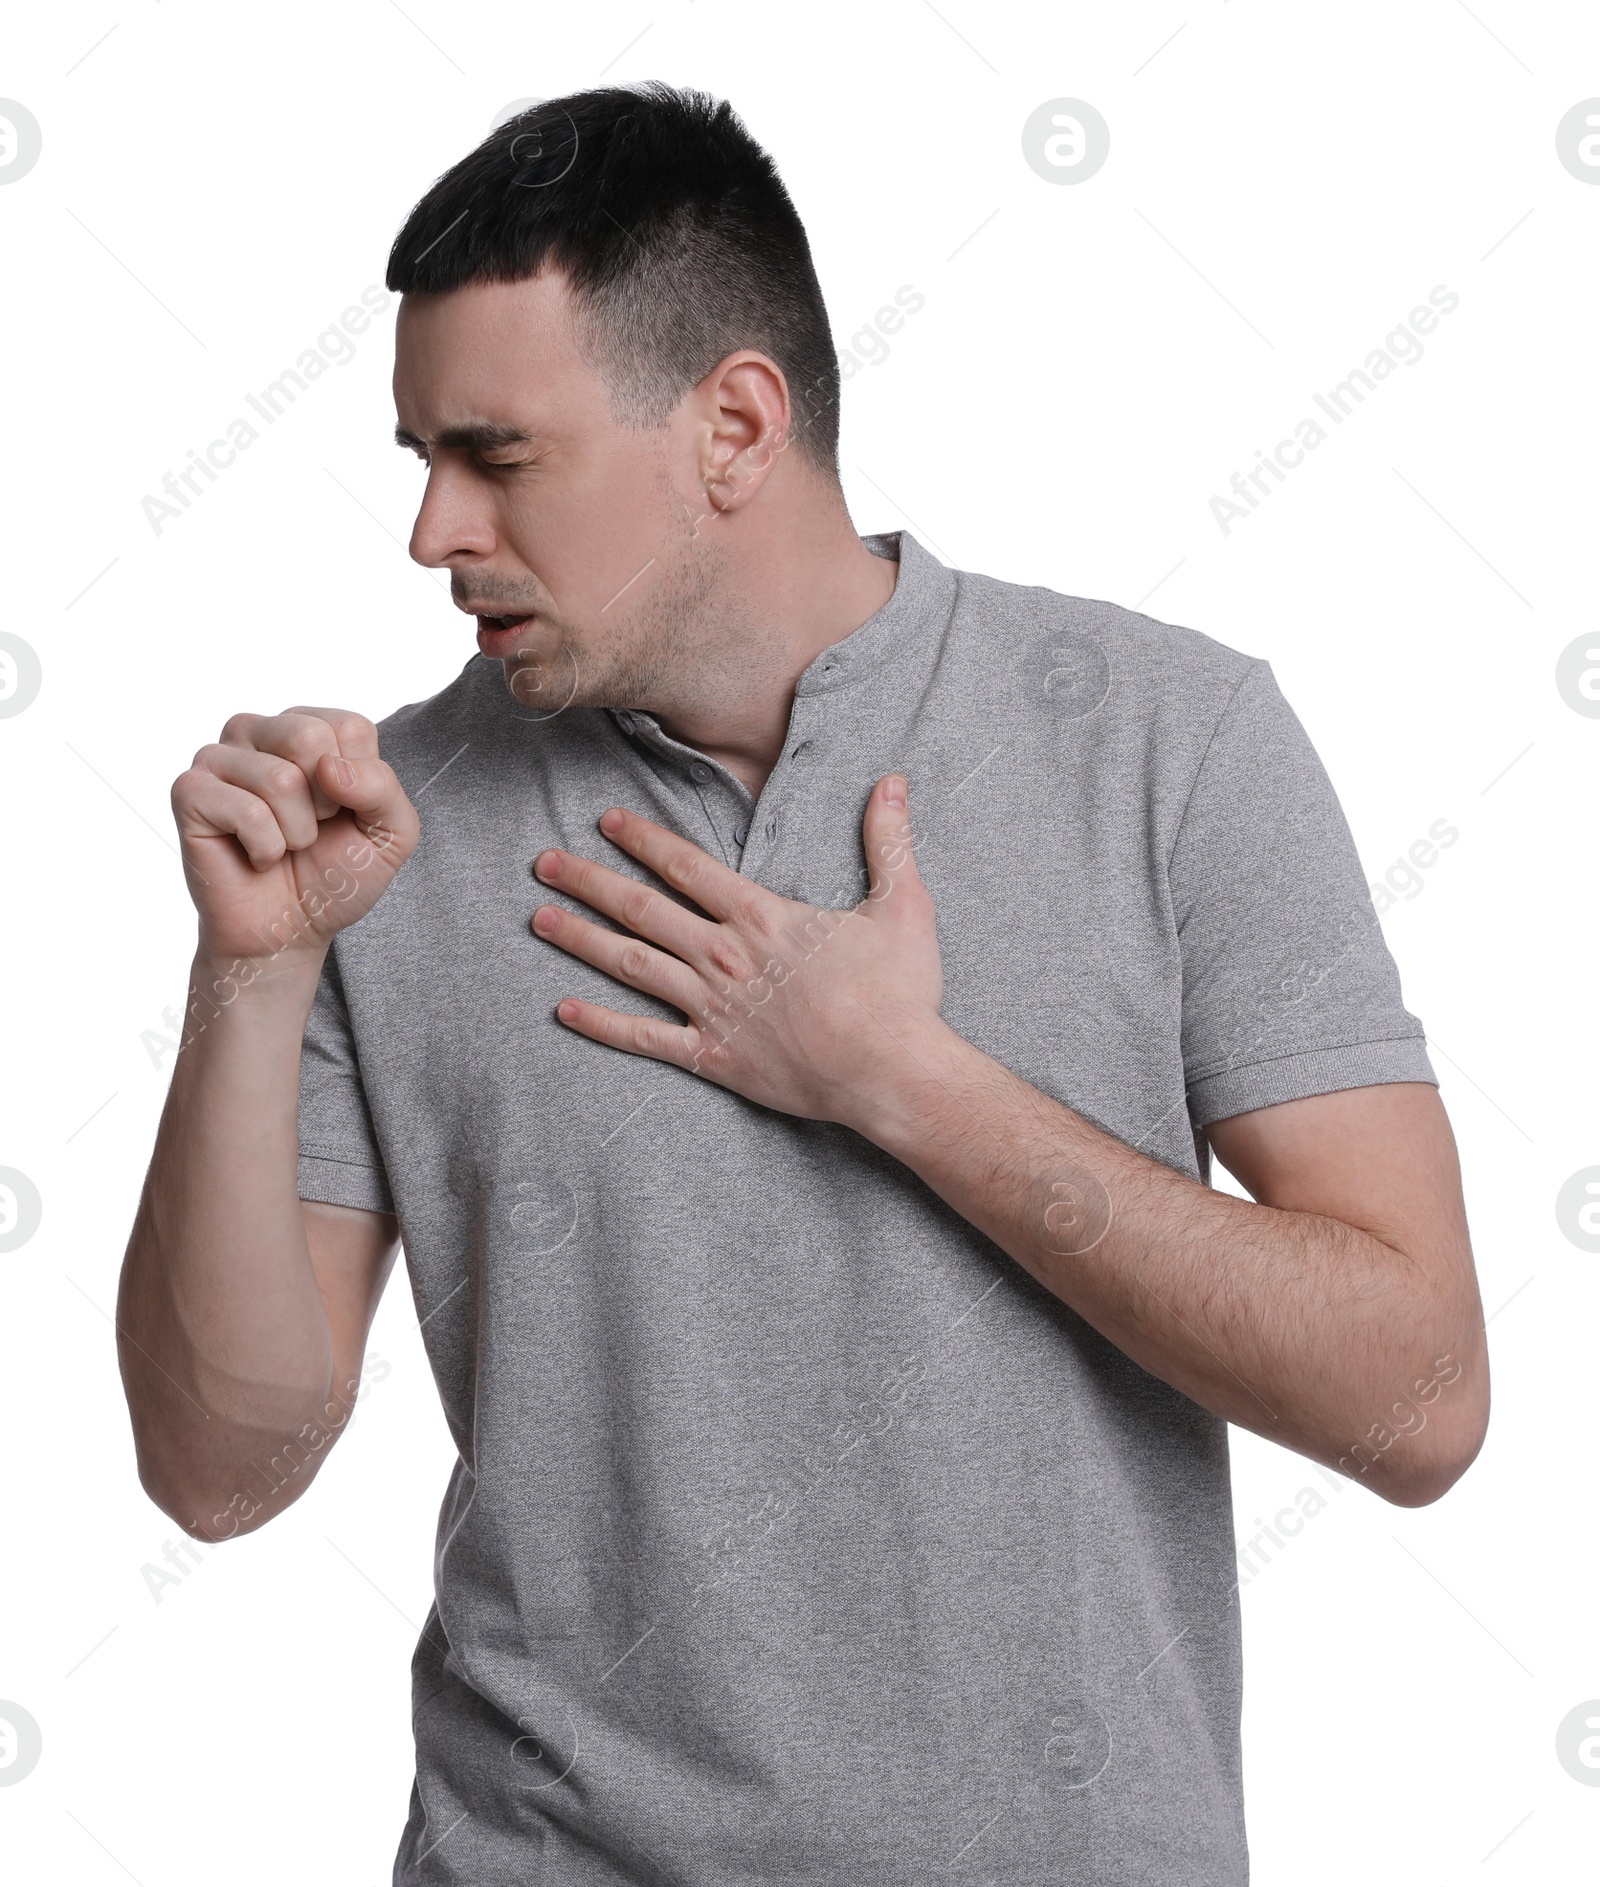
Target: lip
[{"x": 498, "y": 642}]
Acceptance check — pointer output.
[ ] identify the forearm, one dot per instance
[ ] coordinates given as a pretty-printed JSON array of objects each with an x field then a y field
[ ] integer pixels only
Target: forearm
[
  {"x": 1300, "y": 1327},
  {"x": 225, "y": 1344}
]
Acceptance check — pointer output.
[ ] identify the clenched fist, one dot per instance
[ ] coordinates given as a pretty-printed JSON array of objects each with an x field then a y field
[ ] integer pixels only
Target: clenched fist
[{"x": 292, "y": 828}]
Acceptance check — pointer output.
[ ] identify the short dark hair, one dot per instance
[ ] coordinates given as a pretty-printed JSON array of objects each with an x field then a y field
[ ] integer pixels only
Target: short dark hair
[{"x": 677, "y": 236}]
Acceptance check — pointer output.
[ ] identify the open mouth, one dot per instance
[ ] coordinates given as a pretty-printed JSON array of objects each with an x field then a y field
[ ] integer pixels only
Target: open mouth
[{"x": 501, "y": 637}]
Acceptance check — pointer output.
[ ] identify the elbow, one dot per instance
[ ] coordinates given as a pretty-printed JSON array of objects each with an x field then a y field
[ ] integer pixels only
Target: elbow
[
  {"x": 1438, "y": 1458},
  {"x": 226, "y": 1500},
  {"x": 200, "y": 1513}
]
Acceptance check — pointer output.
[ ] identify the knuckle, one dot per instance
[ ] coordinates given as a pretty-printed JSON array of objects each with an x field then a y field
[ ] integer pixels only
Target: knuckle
[
  {"x": 636, "y": 907},
  {"x": 727, "y": 958},
  {"x": 752, "y": 913},
  {"x": 686, "y": 873},
  {"x": 352, "y": 728},
  {"x": 634, "y": 961},
  {"x": 260, "y": 830},
  {"x": 238, "y": 728},
  {"x": 639, "y": 1035},
  {"x": 306, "y": 739},
  {"x": 284, "y": 779}
]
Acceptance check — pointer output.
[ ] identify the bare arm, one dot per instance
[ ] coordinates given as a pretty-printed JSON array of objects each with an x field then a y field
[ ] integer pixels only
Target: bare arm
[
  {"x": 243, "y": 1313},
  {"x": 1337, "y": 1315}
]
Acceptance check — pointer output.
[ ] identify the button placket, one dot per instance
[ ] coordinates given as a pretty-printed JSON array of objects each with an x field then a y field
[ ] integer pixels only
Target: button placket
[
  {"x": 763, "y": 820},
  {"x": 716, "y": 787}
]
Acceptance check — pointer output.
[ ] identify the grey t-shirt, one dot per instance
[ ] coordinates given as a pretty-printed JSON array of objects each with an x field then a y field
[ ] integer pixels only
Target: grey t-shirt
[{"x": 798, "y": 1535}]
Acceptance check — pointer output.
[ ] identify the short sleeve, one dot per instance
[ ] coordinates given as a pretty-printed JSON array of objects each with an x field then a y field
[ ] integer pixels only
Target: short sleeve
[
  {"x": 339, "y": 1158},
  {"x": 1289, "y": 989}
]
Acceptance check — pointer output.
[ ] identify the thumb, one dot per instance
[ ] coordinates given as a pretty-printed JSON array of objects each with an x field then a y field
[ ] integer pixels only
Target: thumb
[
  {"x": 372, "y": 791},
  {"x": 886, "y": 837}
]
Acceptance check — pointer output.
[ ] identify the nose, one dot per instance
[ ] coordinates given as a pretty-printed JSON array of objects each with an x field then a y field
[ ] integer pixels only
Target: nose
[{"x": 453, "y": 523}]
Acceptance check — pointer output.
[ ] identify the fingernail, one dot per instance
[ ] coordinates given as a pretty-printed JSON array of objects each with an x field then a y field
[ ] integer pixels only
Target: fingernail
[
  {"x": 894, "y": 791},
  {"x": 609, "y": 821},
  {"x": 344, "y": 773}
]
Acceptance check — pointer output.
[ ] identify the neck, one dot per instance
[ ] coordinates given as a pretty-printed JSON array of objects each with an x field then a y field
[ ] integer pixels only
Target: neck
[{"x": 787, "y": 589}]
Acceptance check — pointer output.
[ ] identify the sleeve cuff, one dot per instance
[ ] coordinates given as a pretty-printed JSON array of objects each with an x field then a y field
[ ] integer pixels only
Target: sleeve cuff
[
  {"x": 1314, "y": 1071},
  {"x": 339, "y": 1182}
]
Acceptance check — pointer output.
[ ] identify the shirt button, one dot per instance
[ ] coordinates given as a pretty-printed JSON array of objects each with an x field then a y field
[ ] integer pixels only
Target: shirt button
[
  {"x": 701, "y": 772},
  {"x": 625, "y": 722},
  {"x": 740, "y": 834}
]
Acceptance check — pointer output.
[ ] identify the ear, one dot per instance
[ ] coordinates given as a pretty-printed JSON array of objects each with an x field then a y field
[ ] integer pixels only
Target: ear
[{"x": 744, "y": 403}]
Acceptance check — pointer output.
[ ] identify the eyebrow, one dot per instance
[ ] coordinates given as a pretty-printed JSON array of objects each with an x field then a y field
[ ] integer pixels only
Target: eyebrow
[{"x": 480, "y": 436}]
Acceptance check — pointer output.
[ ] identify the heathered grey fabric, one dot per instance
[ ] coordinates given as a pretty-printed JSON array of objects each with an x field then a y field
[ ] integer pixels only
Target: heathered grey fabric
[{"x": 797, "y": 1534}]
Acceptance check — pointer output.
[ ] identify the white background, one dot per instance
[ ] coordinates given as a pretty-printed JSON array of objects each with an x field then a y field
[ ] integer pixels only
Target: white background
[{"x": 1092, "y": 364}]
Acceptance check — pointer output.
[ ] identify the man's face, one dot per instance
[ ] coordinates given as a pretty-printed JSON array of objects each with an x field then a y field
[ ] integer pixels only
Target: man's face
[{"x": 571, "y": 540}]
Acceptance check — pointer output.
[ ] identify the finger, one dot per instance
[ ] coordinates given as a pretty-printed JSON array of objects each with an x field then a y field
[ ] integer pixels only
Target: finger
[
  {"x": 894, "y": 883},
  {"x": 303, "y": 735},
  {"x": 280, "y": 783},
  {"x": 206, "y": 807},
  {"x": 644, "y": 910},
  {"x": 371, "y": 790},
  {"x": 356, "y": 735},
  {"x": 625, "y": 958},
  {"x": 635, "y": 1035},
  {"x": 302, "y": 738},
  {"x": 681, "y": 864}
]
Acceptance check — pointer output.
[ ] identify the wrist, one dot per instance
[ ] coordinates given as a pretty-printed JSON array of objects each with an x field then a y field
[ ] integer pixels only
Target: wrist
[
  {"x": 299, "y": 963},
  {"x": 915, "y": 1088},
  {"x": 219, "y": 979}
]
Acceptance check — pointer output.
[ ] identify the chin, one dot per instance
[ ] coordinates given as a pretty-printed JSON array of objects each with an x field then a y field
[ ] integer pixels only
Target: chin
[{"x": 545, "y": 685}]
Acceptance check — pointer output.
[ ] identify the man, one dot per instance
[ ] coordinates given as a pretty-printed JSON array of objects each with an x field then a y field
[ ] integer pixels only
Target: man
[{"x": 803, "y": 1191}]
